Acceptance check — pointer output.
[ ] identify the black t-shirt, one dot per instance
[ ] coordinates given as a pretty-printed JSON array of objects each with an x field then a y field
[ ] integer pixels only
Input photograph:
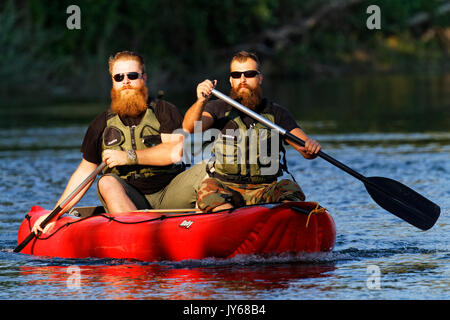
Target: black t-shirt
[
  {"x": 169, "y": 118},
  {"x": 283, "y": 117}
]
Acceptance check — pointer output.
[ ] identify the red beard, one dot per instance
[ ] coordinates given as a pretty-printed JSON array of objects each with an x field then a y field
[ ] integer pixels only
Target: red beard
[
  {"x": 249, "y": 98},
  {"x": 129, "y": 103}
]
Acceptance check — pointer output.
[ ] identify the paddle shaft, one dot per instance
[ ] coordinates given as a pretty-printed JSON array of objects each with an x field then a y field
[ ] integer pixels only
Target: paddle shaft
[{"x": 62, "y": 205}]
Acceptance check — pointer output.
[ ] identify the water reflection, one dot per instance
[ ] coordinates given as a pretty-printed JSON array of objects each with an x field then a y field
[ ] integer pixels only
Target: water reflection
[
  {"x": 156, "y": 281},
  {"x": 369, "y": 103},
  {"x": 380, "y": 103}
]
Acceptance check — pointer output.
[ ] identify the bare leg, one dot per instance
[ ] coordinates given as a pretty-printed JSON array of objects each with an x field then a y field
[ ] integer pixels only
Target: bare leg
[{"x": 114, "y": 195}]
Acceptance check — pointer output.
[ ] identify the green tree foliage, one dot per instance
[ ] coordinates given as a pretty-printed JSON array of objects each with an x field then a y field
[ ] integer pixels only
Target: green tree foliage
[{"x": 181, "y": 39}]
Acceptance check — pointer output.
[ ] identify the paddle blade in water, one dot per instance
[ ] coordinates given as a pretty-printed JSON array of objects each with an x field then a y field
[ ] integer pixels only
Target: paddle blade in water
[{"x": 403, "y": 202}]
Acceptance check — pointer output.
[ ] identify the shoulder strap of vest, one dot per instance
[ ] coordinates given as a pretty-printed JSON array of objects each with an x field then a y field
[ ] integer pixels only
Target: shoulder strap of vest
[
  {"x": 152, "y": 104},
  {"x": 109, "y": 114},
  {"x": 234, "y": 114}
]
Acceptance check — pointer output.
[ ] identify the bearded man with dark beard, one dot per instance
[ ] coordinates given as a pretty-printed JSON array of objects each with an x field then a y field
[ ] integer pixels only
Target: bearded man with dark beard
[
  {"x": 136, "y": 140},
  {"x": 246, "y": 164}
]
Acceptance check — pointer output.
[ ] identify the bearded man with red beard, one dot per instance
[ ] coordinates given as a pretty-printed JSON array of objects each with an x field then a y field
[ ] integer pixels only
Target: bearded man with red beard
[
  {"x": 136, "y": 141},
  {"x": 238, "y": 172}
]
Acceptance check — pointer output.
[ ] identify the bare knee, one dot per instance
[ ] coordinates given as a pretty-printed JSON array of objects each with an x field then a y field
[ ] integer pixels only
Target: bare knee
[
  {"x": 114, "y": 195},
  {"x": 108, "y": 184}
]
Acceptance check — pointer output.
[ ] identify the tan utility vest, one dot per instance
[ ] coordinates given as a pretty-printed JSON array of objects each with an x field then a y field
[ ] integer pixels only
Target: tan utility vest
[
  {"x": 118, "y": 136},
  {"x": 241, "y": 153}
]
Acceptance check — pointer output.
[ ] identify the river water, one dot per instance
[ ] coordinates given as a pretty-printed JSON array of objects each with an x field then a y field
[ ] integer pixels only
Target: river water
[{"x": 397, "y": 127}]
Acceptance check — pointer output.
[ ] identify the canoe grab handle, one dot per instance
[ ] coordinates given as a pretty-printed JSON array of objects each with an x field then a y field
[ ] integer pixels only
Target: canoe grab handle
[{"x": 315, "y": 210}]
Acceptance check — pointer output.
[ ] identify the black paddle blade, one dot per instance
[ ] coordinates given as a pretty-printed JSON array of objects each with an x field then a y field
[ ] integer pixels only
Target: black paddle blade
[{"x": 403, "y": 202}]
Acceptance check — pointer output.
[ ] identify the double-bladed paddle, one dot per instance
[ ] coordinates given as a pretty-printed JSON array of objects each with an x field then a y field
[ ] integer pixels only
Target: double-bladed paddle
[
  {"x": 391, "y": 195},
  {"x": 61, "y": 206}
]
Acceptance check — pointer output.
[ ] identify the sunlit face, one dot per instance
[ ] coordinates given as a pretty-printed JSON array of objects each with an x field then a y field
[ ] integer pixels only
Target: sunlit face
[
  {"x": 243, "y": 83},
  {"x": 126, "y": 66},
  {"x": 129, "y": 96}
]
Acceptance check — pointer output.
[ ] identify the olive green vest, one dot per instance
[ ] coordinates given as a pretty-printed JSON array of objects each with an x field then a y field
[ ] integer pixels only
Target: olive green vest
[
  {"x": 237, "y": 151},
  {"x": 118, "y": 136}
]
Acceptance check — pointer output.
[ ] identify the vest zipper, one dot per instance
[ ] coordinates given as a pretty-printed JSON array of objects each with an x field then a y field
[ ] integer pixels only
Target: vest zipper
[{"x": 133, "y": 140}]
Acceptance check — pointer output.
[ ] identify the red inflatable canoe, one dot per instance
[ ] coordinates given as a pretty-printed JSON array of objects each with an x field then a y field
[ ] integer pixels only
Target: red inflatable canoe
[{"x": 290, "y": 227}]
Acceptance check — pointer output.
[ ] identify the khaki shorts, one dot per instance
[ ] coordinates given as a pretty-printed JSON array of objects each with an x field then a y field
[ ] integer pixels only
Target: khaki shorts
[{"x": 180, "y": 193}]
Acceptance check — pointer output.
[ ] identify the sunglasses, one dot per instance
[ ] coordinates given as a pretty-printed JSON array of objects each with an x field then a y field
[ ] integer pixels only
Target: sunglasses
[
  {"x": 130, "y": 75},
  {"x": 247, "y": 74}
]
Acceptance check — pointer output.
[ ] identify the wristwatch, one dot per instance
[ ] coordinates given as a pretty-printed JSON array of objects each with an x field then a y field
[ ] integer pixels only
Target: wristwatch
[{"x": 131, "y": 157}]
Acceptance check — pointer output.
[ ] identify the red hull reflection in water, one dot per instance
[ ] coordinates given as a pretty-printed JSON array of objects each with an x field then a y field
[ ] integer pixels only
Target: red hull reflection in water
[{"x": 156, "y": 281}]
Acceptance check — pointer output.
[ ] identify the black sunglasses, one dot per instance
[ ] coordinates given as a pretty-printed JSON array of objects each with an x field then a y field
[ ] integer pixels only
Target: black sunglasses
[
  {"x": 247, "y": 74},
  {"x": 130, "y": 75}
]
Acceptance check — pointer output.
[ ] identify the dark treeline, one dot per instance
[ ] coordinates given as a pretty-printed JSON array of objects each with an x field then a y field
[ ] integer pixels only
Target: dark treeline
[{"x": 184, "y": 41}]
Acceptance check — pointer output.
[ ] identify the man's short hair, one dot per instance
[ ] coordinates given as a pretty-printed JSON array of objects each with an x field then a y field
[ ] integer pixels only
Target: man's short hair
[
  {"x": 242, "y": 56},
  {"x": 126, "y": 55}
]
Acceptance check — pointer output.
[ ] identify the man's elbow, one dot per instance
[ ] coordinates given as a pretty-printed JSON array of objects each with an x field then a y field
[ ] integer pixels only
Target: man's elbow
[{"x": 187, "y": 126}]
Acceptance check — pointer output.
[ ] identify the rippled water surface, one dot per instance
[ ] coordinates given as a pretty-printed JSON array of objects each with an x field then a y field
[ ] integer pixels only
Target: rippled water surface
[
  {"x": 36, "y": 162},
  {"x": 35, "y": 165}
]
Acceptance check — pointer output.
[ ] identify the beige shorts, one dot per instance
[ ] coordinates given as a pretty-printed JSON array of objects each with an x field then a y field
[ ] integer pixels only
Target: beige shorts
[{"x": 180, "y": 193}]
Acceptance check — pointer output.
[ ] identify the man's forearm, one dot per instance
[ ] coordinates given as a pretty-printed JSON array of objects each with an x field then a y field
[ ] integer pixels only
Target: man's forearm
[
  {"x": 193, "y": 114},
  {"x": 163, "y": 154}
]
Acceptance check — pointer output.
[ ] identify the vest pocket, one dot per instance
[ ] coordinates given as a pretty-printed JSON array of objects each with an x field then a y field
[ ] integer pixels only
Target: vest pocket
[
  {"x": 113, "y": 138},
  {"x": 150, "y": 136},
  {"x": 152, "y": 140},
  {"x": 227, "y": 155}
]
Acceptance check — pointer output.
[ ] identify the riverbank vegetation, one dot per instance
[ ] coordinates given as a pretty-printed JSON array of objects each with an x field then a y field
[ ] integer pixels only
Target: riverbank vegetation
[{"x": 185, "y": 41}]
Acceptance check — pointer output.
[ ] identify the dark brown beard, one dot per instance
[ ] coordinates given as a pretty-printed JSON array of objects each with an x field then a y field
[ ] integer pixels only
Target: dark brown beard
[
  {"x": 131, "y": 104},
  {"x": 250, "y": 98}
]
